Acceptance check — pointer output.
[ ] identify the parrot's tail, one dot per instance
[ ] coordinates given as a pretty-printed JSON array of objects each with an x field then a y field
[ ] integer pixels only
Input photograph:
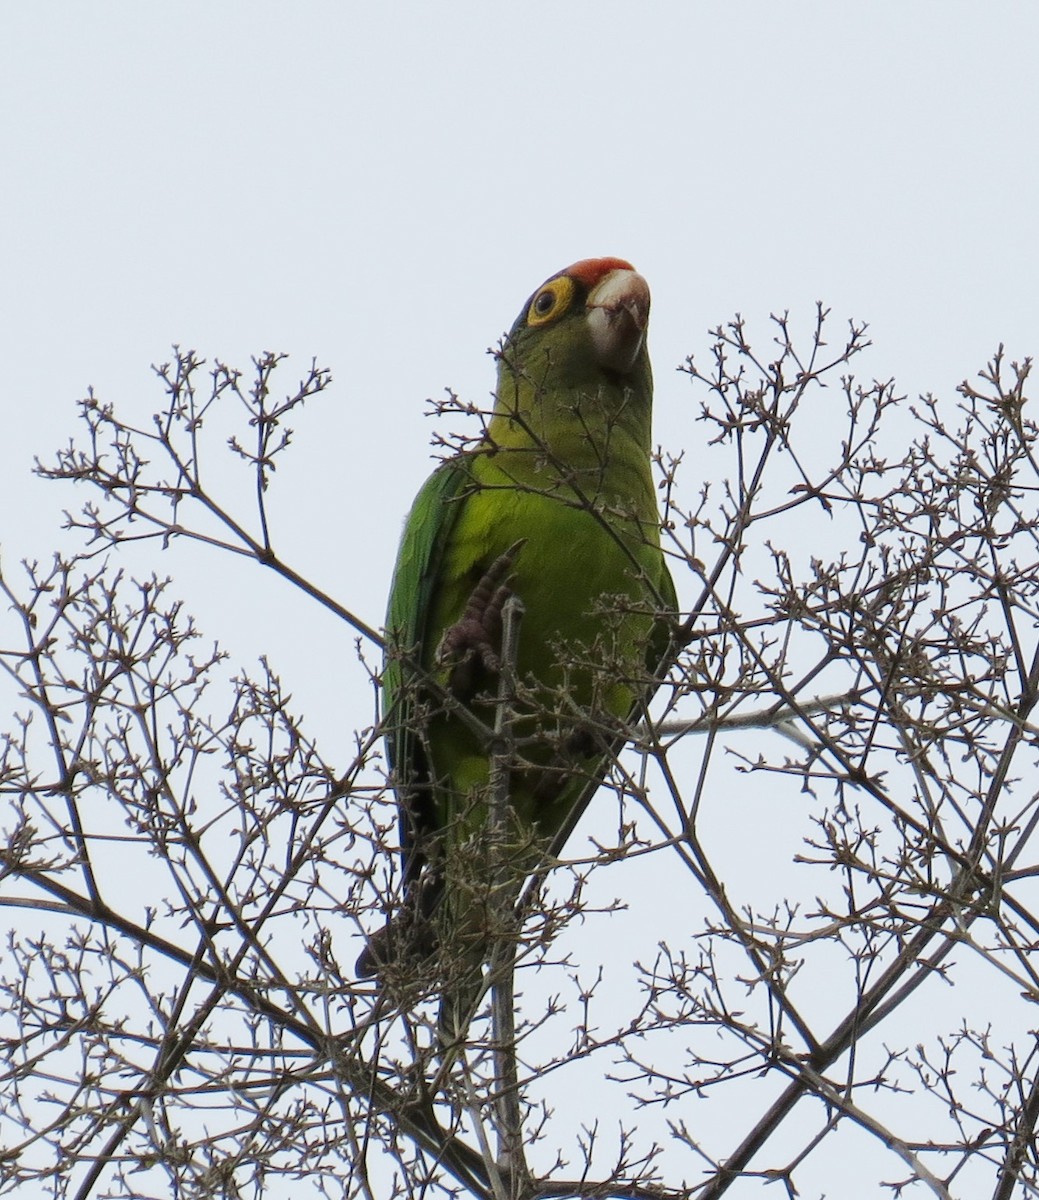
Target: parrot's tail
[
  {"x": 417, "y": 943},
  {"x": 458, "y": 916},
  {"x": 409, "y": 937},
  {"x": 459, "y": 1004},
  {"x": 478, "y": 927}
]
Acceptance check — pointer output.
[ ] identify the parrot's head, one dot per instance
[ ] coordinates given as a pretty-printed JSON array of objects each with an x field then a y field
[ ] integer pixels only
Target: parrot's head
[{"x": 584, "y": 326}]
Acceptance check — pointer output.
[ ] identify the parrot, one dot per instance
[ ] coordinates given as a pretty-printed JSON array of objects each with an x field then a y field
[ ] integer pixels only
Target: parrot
[{"x": 555, "y": 505}]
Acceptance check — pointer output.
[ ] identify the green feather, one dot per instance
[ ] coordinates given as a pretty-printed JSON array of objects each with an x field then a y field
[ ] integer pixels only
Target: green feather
[{"x": 565, "y": 471}]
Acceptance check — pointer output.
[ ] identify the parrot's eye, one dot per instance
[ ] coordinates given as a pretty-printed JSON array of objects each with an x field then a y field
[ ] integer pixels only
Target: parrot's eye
[{"x": 551, "y": 301}]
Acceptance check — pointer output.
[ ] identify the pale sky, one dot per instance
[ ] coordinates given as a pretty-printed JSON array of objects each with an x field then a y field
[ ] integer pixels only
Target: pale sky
[{"x": 380, "y": 187}]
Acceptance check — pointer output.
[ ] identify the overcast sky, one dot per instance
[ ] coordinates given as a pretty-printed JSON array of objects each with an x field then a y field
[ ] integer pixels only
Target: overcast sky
[{"x": 381, "y": 186}]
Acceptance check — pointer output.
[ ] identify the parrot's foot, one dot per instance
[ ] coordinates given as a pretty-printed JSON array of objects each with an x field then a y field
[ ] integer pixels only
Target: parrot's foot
[
  {"x": 470, "y": 647},
  {"x": 577, "y": 749}
]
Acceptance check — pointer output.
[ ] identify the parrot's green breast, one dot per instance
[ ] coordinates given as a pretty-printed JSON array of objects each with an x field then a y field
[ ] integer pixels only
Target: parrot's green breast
[{"x": 590, "y": 583}]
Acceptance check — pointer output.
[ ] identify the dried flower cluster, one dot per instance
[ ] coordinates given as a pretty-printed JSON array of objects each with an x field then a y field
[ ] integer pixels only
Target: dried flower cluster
[{"x": 836, "y": 792}]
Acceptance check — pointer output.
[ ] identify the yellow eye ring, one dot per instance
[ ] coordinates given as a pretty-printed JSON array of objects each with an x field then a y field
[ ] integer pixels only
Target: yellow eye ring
[{"x": 551, "y": 301}]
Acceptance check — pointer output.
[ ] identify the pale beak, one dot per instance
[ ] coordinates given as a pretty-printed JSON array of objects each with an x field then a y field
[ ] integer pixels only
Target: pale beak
[{"x": 618, "y": 313}]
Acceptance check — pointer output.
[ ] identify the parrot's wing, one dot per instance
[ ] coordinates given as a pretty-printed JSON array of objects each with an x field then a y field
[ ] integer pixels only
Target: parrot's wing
[{"x": 427, "y": 533}]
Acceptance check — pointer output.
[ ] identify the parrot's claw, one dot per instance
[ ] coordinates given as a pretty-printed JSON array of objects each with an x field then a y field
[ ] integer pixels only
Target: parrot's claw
[{"x": 470, "y": 647}]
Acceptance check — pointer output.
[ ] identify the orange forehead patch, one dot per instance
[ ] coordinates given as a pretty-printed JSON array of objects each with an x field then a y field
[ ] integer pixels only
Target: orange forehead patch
[{"x": 589, "y": 271}]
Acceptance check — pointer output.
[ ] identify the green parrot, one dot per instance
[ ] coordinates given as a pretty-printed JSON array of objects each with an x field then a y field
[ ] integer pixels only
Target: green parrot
[{"x": 556, "y": 506}]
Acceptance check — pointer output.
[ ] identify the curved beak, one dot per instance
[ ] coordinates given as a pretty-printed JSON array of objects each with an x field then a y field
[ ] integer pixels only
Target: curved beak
[{"x": 618, "y": 313}]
